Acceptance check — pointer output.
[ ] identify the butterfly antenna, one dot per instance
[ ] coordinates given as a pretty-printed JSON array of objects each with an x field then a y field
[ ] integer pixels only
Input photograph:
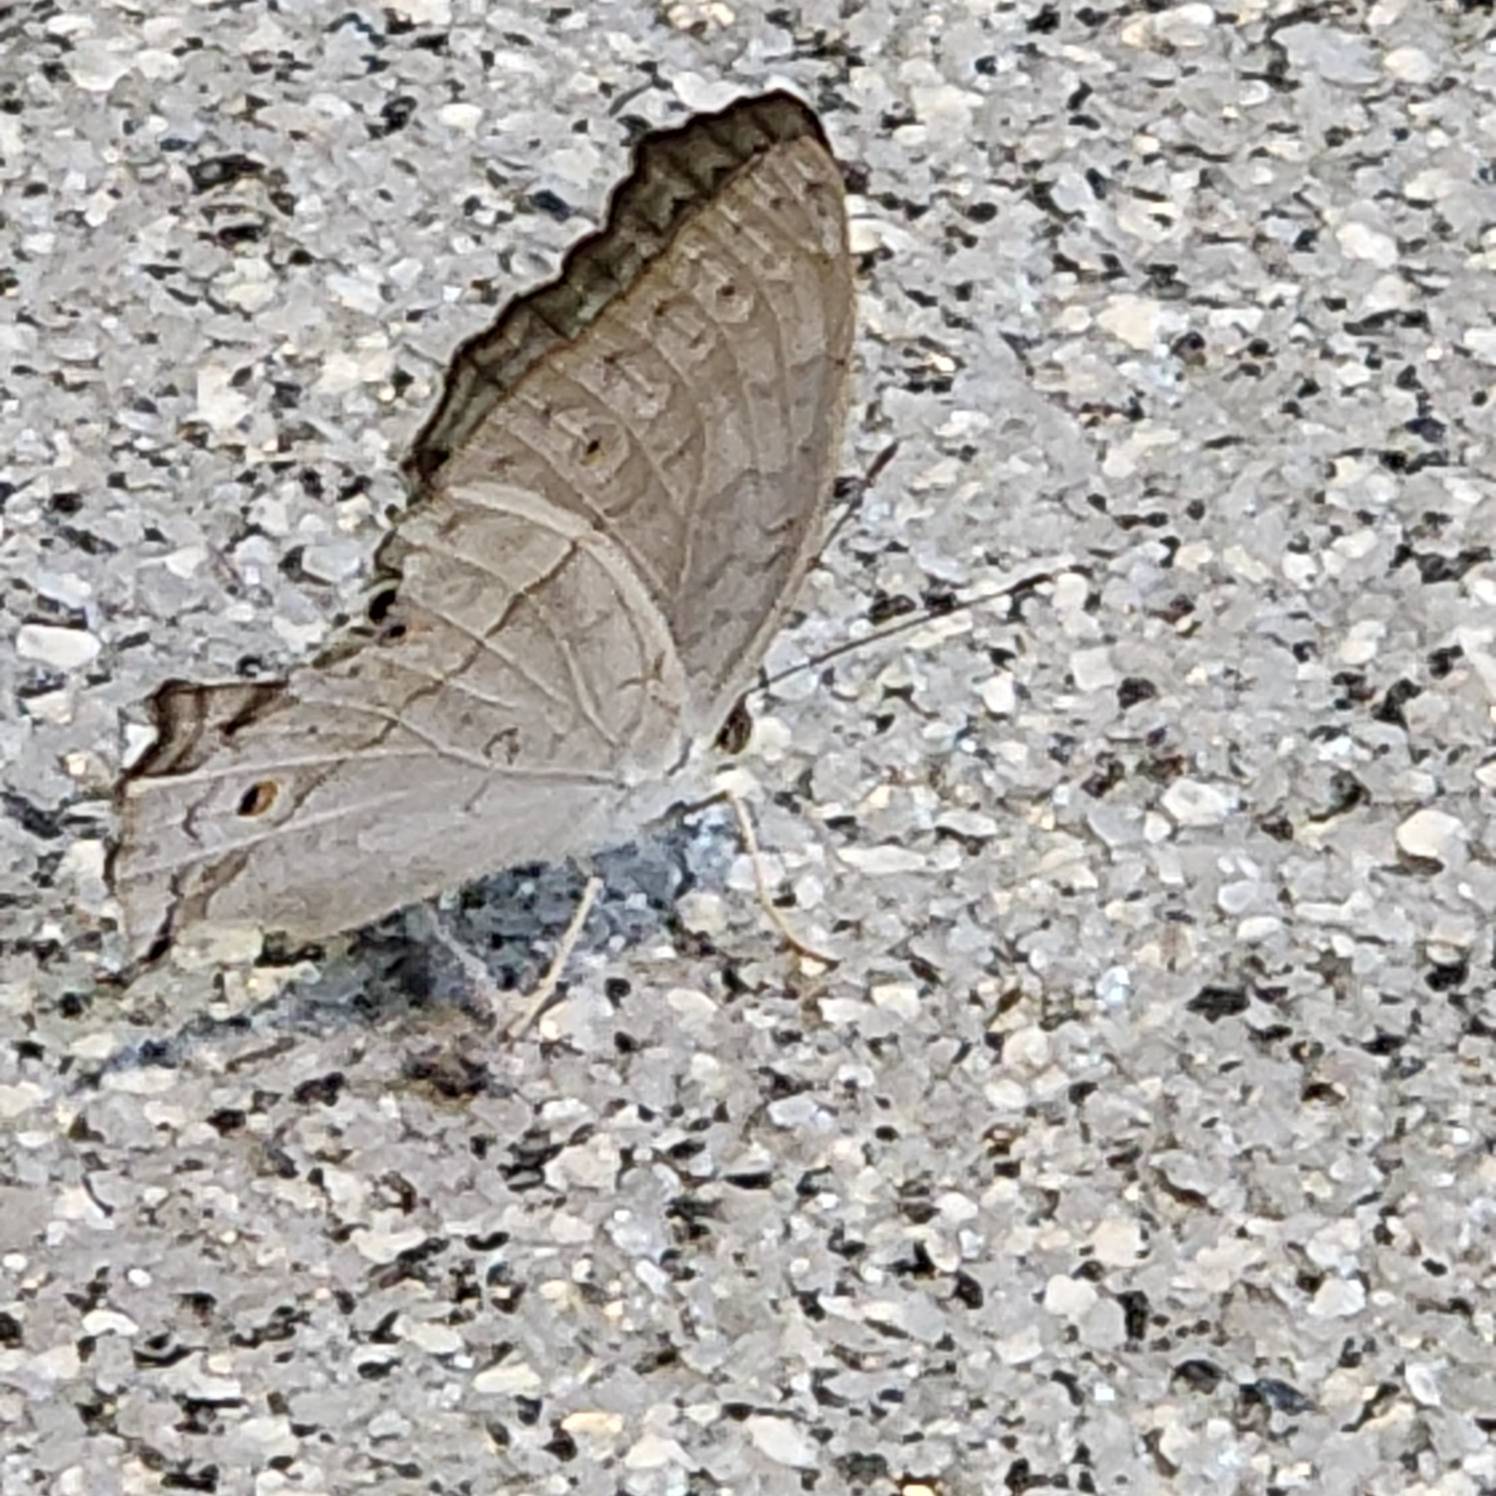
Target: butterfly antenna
[
  {"x": 1015, "y": 591},
  {"x": 855, "y": 490},
  {"x": 540, "y": 998},
  {"x": 761, "y": 881}
]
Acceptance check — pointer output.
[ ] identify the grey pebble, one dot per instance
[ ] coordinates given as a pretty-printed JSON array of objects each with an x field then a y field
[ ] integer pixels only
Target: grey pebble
[{"x": 1141, "y": 1140}]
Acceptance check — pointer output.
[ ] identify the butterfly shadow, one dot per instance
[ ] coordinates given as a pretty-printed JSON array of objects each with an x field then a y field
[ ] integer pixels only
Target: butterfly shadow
[
  {"x": 484, "y": 947},
  {"x": 507, "y": 924}
]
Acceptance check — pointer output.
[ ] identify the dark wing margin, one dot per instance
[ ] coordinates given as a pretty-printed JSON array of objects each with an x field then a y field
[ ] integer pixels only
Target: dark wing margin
[
  {"x": 676, "y": 174},
  {"x": 191, "y": 719}
]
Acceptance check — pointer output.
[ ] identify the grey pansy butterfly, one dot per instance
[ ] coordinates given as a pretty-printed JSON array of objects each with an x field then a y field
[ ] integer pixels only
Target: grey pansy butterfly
[{"x": 614, "y": 504}]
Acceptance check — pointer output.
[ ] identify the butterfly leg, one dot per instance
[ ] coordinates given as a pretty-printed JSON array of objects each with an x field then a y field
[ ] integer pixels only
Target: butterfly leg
[
  {"x": 761, "y": 882},
  {"x": 541, "y": 996}
]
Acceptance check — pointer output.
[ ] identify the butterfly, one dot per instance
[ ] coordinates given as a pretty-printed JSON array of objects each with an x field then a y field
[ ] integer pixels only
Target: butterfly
[{"x": 613, "y": 506}]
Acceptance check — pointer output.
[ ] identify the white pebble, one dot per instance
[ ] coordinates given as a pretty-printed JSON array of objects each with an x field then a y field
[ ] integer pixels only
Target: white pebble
[
  {"x": 1184, "y": 25},
  {"x": 185, "y": 561},
  {"x": 1300, "y": 568},
  {"x": 1238, "y": 897},
  {"x": 1118, "y": 1241},
  {"x": 384, "y": 1247},
  {"x": 998, "y": 695},
  {"x": 1430, "y": 833},
  {"x": 219, "y": 404},
  {"x": 1410, "y": 65},
  {"x": 1362, "y": 242},
  {"x": 1092, "y": 669},
  {"x": 880, "y": 862},
  {"x": 593, "y": 1423},
  {"x": 942, "y": 105},
  {"x": 518, "y": 1378},
  {"x": 1070, "y": 1298},
  {"x": 148, "y": 1080},
  {"x": 592, "y": 1165},
  {"x": 1335, "y": 1245},
  {"x": 67, "y": 587},
  {"x": 59, "y": 1363},
  {"x": 956, "y": 1207},
  {"x": 61, "y": 648},
  {"x": 1422, "y": 1378},
  {"x": 1027, "y": 1049},
  {"x": 1133, "y": 320},
  {"x": 425, "y": 12},
  {"x": 108, "y": 1322},
  {"x": 1337, "y": 1298},
  {"x": 333, "y": 560},
  {"x": 839, "y": 1012},
  {"x": 1258, "y": 928},
  {"x": 781, "y": 1441},
  {"x": 433, "y": 1338},
  {"x": 1071, "y": 589},
  {"x": 95, "y": 69},
  {"x": 269, "y": 1437},
  {"x": 345, "y": 369},
  {"x": 19, "y": 1098},
  {"x": 1194, "y": 803},
  {"x": 973, "y": 823},
  {"x": 897, "y": 997},
  {"x": 462, "y": 117},
  {"x": 690, "y": 1005},
  {"x": 357, "y": 293},
  {"x": 702, "y": 913},
  {"x": 1361, "y": 642},
  {"x": 653, "y": 1452},
  {"x": 1021, "y": 1347},
  {"x": 1481, "y": 341},
  {"x": 52, "y": 707}
]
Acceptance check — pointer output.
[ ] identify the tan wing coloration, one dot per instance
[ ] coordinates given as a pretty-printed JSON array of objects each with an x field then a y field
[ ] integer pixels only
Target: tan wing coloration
[
  {"x": 695, "y": 355},
  {"x": 617, "y": 496}
]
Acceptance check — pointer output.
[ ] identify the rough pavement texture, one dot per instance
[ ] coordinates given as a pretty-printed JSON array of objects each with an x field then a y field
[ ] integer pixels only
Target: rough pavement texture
[{"x": 1142, "y": 1139}]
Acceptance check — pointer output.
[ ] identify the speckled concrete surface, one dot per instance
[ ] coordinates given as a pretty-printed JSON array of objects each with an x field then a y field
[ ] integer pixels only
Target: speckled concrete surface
[{"x": 1143, "y": 1139}]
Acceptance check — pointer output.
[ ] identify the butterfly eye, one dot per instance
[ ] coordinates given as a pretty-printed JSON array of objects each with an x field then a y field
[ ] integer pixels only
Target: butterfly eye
[
  {"x": 736, "y": 730},
  {"x": 258, "y": 798}
]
